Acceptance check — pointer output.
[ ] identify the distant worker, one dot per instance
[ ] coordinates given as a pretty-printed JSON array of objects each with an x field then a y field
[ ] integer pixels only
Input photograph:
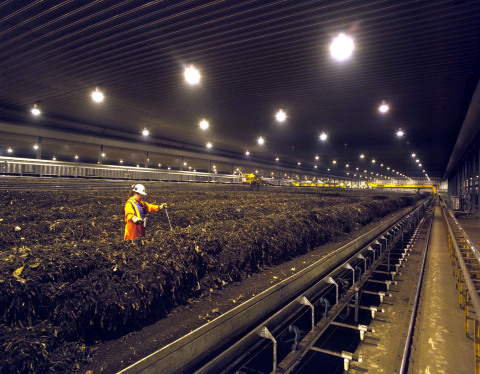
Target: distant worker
[{"x": 136, "y": 211}]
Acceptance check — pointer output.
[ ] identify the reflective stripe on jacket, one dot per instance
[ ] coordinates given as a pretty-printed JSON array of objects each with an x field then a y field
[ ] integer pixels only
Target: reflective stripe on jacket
[{"x": 139, "y": 209}]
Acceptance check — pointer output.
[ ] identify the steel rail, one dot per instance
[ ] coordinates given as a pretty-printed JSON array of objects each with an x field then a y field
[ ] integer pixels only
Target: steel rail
[
  {"x": 294, "y": 358},
  {"x": 191, "y": 351}
]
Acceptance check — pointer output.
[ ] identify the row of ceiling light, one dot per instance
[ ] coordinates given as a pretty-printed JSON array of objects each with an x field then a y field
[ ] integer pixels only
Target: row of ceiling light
[{"x": 341, "y": 49}]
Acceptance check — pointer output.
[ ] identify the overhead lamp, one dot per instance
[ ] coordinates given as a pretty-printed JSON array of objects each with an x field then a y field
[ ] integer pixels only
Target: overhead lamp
[
  {"x": 334, "y": 162},
  {"x": 145, "y": 132},
  {"x": 54, "y": 158},
  {"x": 260, "y": 140},
  {"x": 341, "y": 47},
  {"x": 121, "y": 161},
  {"x": 103, "y": 154},
  {"x": 317, "y": 157},
  {"x": 76, "y": 157},
  {"x": 347, "y": 165},
  {"x": 373, "y": 161},
  {"x": 414, "y": 155},
  {"x": 97, "y": 95},
  {"x": 362, "y": 156},
  {"x": 323, "y": 136},
  {"x": 9, "y": 150},
  {"x": 35, "y": 146},
  {"x": 400, "y": 133},
  {"x": 281, "y": 116},
  {"x": 204, "y": 124},
  {"x": 315, "y": 166},
  {"x": 277, "y": 159},
  {"x": 299, "y": 163},
  {"x": 247, "y": 153},
  {"x": 417, "y": 160},
  {"x": 209, "y": 145},
  {"x": 192, "y": 75},
  {"x": 383, "y": 108},
  {"x": 35, "y": 110}
]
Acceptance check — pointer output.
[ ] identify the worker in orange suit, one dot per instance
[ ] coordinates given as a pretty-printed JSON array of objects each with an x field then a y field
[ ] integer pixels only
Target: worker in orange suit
[{"x": 136, "y": 211}]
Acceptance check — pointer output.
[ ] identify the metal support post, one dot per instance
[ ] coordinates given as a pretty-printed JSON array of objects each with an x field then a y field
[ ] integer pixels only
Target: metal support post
[
  {"x": 305, "y": 301},
  {"x": 265, "y": 333},
  {"x": 332, "y": 281},
  {"x": 349, "y": 267}
]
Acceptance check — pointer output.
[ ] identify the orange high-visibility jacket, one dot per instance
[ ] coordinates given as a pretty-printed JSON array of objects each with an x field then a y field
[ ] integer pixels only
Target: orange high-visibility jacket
[{"x": 139, "y": 209}]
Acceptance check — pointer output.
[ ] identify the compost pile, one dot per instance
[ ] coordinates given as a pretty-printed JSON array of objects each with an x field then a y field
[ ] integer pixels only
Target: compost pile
[{"x": 68, "y": 280}]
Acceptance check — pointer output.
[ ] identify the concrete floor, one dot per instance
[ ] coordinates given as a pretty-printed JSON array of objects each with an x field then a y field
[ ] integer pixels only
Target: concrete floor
[{"x": 441, "y": 345}]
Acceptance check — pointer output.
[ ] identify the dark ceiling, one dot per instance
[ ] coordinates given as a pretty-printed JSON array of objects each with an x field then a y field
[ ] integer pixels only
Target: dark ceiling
[{"x": 255, "y": 57}]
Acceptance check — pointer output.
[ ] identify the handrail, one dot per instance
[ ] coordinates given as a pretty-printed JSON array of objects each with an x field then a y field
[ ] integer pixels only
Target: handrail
[{"x": 466, "y": 275}]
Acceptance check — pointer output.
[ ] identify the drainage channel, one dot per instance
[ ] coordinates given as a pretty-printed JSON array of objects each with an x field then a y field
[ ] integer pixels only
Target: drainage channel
[{"x": 309, "y": 315}]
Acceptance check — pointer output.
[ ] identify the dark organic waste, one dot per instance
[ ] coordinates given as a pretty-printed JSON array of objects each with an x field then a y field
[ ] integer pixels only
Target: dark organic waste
[{"x": 67, "y": 279}]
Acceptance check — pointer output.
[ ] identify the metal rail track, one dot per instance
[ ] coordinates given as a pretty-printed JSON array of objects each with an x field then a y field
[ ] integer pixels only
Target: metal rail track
[{"x": 277, "y": 330}]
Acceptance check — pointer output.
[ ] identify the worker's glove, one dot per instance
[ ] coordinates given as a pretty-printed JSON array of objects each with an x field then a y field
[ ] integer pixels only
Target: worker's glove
[
  {"x": 163, "y": 206},
  {"x": 137, "y": 220}
]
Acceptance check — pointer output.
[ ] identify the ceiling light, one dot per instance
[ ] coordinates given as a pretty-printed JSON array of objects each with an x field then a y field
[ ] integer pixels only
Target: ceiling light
[
  {"x": 281, "y": 116},
  {"x": 400, "y": 133},
  {"x": 260, "y": 140},
  {"x": 383, "y": 108},
  {"x": 192, "y": 75},
  {"x": 76, "y": 157},
  {"x": 35, "y": 111},
  {"x": 204, "y": 124},
  {"x": 35, "y": 146},
  {"x": 145, "y": 132},
  {"x": 97, "y": 95},
  {"x": 247, "y": 153},
  {"x": 277, "y": 159},
  {"x": 209, "y": 145},
  {"x": 323, "y": 136},
  {"x": 9, "y": 150},
  {"x": 341, "y": 47},
  {"x": 414, "y": 155}
]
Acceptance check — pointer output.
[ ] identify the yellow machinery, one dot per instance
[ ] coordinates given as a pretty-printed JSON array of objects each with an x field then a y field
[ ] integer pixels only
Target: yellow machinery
[
  {"x": 253, "y": 180},
  {"x": 417, "y": 186}
]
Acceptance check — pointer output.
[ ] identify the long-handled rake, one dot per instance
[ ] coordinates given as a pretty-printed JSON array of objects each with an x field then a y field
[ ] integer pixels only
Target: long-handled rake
[{"x": 168, "y": 217}]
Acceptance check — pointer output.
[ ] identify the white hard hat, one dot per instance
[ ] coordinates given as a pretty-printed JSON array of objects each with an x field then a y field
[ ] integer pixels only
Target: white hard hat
[{"x": 139, "y": 188}]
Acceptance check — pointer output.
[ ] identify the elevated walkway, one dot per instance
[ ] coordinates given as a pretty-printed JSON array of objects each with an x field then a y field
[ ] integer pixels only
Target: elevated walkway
[{"x": 440, "y": 341}]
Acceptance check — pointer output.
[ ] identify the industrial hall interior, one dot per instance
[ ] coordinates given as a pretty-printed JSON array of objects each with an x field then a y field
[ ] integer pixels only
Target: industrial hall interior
[{"x": 240, "y": 187}]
